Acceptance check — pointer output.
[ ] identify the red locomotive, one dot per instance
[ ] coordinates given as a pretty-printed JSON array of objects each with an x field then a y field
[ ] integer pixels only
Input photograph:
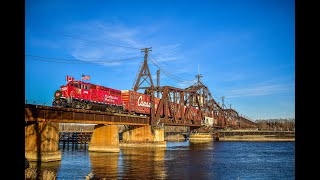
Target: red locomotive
[{"x": 83, "y": 95}]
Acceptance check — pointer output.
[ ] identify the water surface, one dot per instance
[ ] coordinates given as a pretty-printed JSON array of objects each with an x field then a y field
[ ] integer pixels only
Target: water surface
[{"x": 182, "y": 160}]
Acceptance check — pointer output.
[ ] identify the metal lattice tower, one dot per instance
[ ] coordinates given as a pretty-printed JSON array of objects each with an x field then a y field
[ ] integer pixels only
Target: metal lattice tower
[{"x": 144, "y": 73}]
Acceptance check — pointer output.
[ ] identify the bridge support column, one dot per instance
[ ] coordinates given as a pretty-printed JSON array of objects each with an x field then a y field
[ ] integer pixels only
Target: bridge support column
[
  {"x": 105, "y": 138},
  {"x": 201, "y": 137},
  {"x": 158, "y": 134},
  {"x": 175, "y": 137},
  {"x": 42, "y": 142},
  {"x": 144, "y": 136}
]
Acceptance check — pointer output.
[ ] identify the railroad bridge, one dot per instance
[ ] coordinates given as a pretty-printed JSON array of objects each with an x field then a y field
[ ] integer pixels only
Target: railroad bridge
[
  {"x": 175, "y": 108},
  {"x": 42, "y": 129}
]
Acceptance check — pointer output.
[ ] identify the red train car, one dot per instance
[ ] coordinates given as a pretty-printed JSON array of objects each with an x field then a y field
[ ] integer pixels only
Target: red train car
[
  {"x": 79, "y": 94},
  {"x": 138, "y": 103},
  {"x": 135, "y": 102}
]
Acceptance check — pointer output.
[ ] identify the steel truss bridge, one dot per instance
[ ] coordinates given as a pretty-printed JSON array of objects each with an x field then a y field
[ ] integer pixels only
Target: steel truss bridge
[{"x": 174, "y": 109}]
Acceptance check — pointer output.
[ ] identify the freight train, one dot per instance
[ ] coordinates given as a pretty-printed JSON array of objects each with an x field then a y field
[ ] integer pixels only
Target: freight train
[{"x": 83, "y": 95}]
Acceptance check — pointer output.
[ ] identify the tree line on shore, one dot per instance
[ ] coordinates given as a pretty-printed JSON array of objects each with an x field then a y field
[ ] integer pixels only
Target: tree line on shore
[{"x": 276, "y": 124}]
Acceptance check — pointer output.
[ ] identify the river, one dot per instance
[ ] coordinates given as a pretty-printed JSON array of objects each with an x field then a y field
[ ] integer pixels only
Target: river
[{"x": 181, "y": 160}]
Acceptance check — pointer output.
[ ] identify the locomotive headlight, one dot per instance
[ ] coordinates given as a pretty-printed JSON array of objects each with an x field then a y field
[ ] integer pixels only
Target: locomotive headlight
[{"x": 58, "y": 94}]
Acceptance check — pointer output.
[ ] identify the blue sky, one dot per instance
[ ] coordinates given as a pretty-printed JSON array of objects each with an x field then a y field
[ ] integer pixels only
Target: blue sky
[{"x": 245, "y": 50}]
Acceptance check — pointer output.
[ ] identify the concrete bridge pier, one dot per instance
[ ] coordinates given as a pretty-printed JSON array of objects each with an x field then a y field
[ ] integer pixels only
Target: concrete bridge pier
[
  {"x": 200, "y": 137},
  {"x": 105, "y": 138},
  {"x": 140, "y": 136},
  {"x": 42, "y": 142}
]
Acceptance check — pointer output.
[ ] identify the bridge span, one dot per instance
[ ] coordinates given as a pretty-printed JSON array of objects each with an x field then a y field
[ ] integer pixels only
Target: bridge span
[
  {"x": 42, "y": 130},
  {"x": 38, "y": 113}
]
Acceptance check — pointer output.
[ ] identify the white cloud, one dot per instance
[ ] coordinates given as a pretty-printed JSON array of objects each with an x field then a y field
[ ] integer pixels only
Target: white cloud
[
  {"x": 232, "y": 76},
  {"x": 259, "y": 90},
  {"x": 42, "y": 43},
  {"x": 97, "y": 41}
]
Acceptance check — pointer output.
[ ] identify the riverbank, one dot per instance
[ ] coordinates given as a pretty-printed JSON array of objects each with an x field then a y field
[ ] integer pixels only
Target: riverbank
[{"x": 256, "y": 138}]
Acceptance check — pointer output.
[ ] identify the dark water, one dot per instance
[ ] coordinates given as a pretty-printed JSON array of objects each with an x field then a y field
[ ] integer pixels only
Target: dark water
[{"x": 183, "y": 160}]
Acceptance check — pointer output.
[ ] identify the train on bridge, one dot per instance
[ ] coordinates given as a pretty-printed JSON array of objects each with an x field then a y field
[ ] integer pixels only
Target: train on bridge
[
  {"x": 78, "y": 94},
  {"x": 83, "y": 95}
]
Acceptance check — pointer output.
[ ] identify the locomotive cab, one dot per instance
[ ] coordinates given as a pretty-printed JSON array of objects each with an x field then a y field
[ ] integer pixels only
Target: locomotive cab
[
  {"x": 60, "y": 97},
  {"x": 73, "y": 94}
]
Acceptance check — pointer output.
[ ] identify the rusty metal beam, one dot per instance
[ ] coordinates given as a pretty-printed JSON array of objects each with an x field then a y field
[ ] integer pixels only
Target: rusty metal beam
[
  {"x": 182, "y": 106},
  {"x": 36, "y": 113},
  {"x": 175, "y": 109},
  {"x": 161, "y": 105},
  {"x": 181, "y": 124}
]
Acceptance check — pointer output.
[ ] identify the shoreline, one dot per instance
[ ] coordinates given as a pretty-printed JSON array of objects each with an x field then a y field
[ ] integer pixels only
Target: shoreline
[
  {"x": 266, "y": 138},
  {"x": 256, "y": 140}
]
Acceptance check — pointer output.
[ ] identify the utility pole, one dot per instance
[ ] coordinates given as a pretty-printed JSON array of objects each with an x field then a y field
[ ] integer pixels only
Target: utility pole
[
  {"x": 158, "y": 83},
  {"x": 222, "y": 99},
  {"x": 198, "y": 76},
  {"x": 224, "y": 114},
  {"x": 144, "y": 73}
]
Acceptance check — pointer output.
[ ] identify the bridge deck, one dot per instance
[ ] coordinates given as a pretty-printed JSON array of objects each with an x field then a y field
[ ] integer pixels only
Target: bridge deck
[
  {"x": 68, "y": 115},
  {"x": 41, "y": 113}
]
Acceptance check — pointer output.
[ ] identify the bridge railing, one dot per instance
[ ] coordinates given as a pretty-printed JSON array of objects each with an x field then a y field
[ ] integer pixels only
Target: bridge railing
[{"x": 37, "y": 102}]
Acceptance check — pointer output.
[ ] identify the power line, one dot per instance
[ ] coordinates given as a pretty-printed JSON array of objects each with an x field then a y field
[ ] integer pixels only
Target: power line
[
  {"x": 74, "y": 36},
  {"x": 171, "y": 66},
  {"x": 179, "y": 79},
  {"x": 172, "y": 76},
  {"x": 77, "y": 61},
  {"x": 154, "y": 61},
  {"x": 170, "y": 52}
]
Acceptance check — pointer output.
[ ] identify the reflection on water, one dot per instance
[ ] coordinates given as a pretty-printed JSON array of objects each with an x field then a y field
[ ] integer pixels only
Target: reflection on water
[
  {"x": 191, "y": 161},
  {"x": 104, "y": 164},
  {"x": 143, "y": 163},
  {"x": 181, "y": 160},
  {"x": 37, "y": 170},
  {"x": 136, "y": 163}
]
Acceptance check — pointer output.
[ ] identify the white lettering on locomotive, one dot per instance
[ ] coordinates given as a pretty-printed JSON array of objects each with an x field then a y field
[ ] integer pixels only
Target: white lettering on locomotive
[
  {"x": 110, "y": 98},
  {"x": 85, "y": 92},
  {"x": 63, "y": 88},
  {"x": 142, "y": 103}
]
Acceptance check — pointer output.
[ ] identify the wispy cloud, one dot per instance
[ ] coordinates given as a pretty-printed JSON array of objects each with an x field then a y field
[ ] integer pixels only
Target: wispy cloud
[
  {"x": 110, "y": 44},
  {"x": 259, "y": 90},
  {"x": 41, "y": 42},
  {"x": 232, "y": 76},
  {"x": 114, "y": 40}
]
